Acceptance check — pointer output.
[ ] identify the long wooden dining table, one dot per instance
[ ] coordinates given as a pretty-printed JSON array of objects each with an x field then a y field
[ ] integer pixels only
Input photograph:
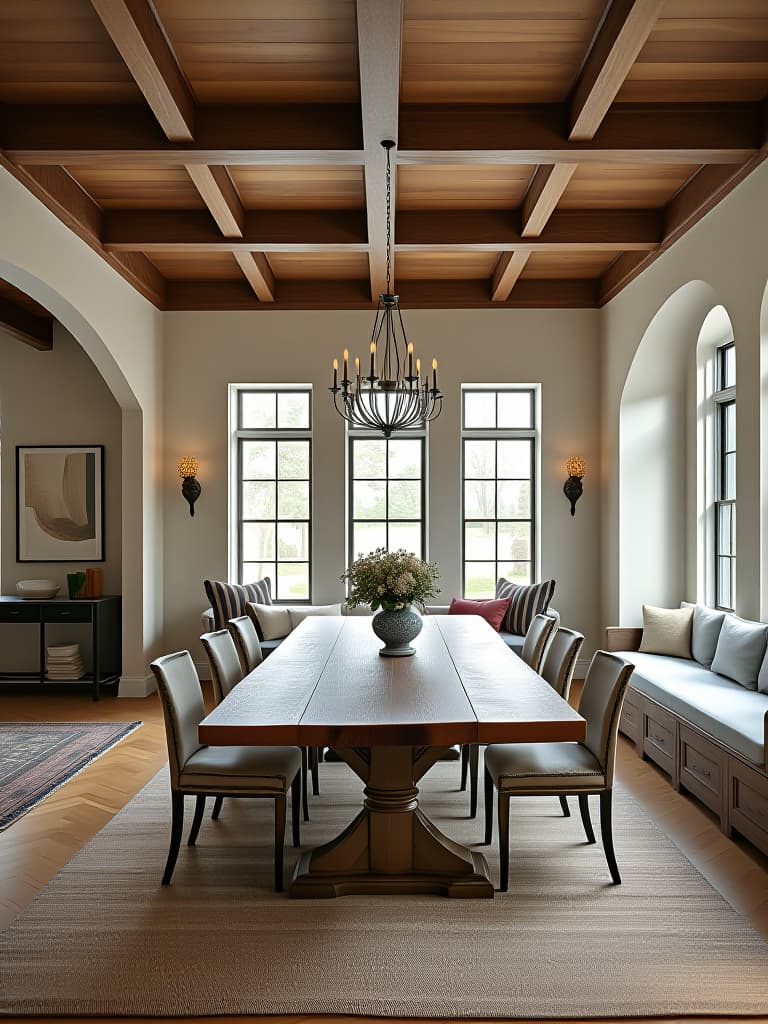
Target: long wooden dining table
[{"x": 391, "y": 719}]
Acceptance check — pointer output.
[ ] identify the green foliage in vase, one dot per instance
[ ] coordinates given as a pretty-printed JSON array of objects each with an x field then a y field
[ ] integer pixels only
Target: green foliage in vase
[{"x": 390, "y": 580}]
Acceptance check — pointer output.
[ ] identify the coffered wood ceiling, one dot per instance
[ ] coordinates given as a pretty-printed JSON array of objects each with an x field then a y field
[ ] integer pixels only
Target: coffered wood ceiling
[{"x": 226, "y": 155}]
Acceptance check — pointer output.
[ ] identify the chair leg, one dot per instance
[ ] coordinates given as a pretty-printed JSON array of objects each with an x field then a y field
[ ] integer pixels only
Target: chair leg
[
  {"x": 606, "y": 831},
  {"x": 315, "y": 772},
  {"x": 464, "y": 766},
  {"x": 217, "y": 807},
  {"x": 564, "y": 804},
  {"x": 585, "y": 818},
  {"x": 305, "y": 782},
  {"x": 197, "y": 819},
  {"x": 296, "y": 793},
  {"x": 504, "y": 841},
  {"x": 474, "y": 759},
  {"x": 279, "y": 840},
  {"x": 488, "y": 792},
  {"x": 177, "y": 825}
]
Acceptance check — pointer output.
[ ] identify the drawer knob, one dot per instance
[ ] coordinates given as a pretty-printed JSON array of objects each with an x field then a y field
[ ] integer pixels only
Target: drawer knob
[{"x": 657, "y": 739}]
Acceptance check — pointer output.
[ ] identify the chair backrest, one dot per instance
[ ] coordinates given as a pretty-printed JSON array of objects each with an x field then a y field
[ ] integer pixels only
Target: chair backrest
[
  {"x": 560, "y": 660},
  {"x": 601, "y": 699},
  {"x": 224, "y": 660},
  {"x": 536, "y": 640},
  {"x": 182, "y": 699},
  {"x": 247, "y": 643}
]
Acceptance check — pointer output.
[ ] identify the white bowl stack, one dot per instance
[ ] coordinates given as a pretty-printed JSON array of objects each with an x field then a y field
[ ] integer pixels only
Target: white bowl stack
[
  {"x": 37, "y": 590},
  {"x": 64, "y": 662}
]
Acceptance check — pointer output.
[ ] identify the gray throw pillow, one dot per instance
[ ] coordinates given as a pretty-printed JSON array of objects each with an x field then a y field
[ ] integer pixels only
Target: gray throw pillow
[
  {"x": 740, "y": 650},
  {"x": 707, "y": 623},
  {"x": 762, "y": 676}
]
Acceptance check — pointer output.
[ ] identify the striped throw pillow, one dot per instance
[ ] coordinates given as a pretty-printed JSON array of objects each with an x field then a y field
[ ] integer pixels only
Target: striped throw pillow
[
  {"x": 228, "y": 600},
  {"x": 525, "y": 602}
]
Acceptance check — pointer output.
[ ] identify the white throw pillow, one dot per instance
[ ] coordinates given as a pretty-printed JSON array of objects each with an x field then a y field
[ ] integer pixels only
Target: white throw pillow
[
  {"x": 667, "y": 631},
  {"x": 301, "y": 612},
  {"x": 274, "y": 621}
]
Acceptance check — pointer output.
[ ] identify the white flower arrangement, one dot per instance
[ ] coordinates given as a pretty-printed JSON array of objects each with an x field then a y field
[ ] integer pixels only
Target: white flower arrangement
[{"x": 390, "y": 579}]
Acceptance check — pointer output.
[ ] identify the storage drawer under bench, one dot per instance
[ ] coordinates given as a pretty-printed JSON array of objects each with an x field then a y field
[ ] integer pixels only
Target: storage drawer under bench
[
  {"x": 632, "y": 716},
  {"x": 704, "y": 771},
  {"x": 659, "y": 734}
]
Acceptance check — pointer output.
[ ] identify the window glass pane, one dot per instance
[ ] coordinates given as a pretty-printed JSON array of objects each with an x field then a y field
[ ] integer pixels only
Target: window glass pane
[
  {"x": 293, "y": 460},
  {"x": 292, "y": 581},
  {"x": 479, "y": 410},
  {"x": 404, "y": 499},
  {"x": 729, "y": 481},
  {"x": 515, "y": 409},
  {"x": 405, "y": 535},
  {"x": 258, "y": 542},
  {"x": 258, "y": 410},
  {"x": 724, "y": 583},
  {"x": 728, "y": 367},
  {"x": 293, "y": 542},
  {"x": 258, "y": 460},
  {"x": 405, "y": 459},
  {"x": 293, "y": 500},
  {"x": 367, "y": 537},
  {"x": 724, "y": 539},
  {"x": 480, "y": 541},
  {"x": 369, "y": 499},
  {"x": 258, "y": 499},
  {"x": 479, "y": 499},
  {"x": 517, "y": 572},
  {"x": 514, "y": 460},
  {"x": 293, "y": 410},
  {"x": 479, "y": 459},
  {"x": 514, "y": 499},
  {"x": 369, "y": 459},
  {"x": 480, "y": 579},
  {"x": 252, "y": 571},
  {"x": 729, "y": 426},
  {"x": 514, "y": 541}
]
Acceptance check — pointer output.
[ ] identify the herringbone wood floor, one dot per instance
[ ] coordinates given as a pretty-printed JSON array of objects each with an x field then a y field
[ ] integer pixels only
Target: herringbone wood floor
[{"x": 39, "y": 844}]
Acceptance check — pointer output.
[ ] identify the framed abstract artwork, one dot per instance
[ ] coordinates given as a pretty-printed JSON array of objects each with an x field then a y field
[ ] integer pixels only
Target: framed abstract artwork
[{"x": 60, "y": 503}]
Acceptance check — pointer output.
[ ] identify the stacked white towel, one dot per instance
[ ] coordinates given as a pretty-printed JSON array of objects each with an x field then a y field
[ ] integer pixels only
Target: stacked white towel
[{"x": 64, "y": 662}]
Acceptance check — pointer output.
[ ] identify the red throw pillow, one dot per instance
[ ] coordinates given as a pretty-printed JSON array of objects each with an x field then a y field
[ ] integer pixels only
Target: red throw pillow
[{"x": 492, "y": 611}]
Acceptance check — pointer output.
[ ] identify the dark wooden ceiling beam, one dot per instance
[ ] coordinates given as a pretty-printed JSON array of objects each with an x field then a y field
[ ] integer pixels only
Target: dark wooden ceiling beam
[
  {"x": 379, "y": 39},
  {"x": 626, "y": 26},
  {"x": 141, "y": 42},
  {"x": 687, "y": 134},
  {"x": 196, "y": 231},
  {"x": 507, "y": 272},
  {"x": 130, "y": 136},
  {"x": 488, "y": 230},
  {"x": 258, "y": 273},
  {"x": 35, "y": 331}
]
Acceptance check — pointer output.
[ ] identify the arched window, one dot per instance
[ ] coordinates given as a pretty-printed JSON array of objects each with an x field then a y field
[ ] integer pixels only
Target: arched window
[{"x": 724, "y": 475}]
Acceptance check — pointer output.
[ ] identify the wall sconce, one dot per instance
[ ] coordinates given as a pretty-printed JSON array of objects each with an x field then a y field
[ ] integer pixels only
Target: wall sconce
[
  {"x": 576, "y": 468},
  {"x": 190, "y": 487}
]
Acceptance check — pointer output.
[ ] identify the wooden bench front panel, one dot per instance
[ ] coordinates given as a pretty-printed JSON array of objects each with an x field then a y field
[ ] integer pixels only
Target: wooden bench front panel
[{"x": 704, "y": 771}]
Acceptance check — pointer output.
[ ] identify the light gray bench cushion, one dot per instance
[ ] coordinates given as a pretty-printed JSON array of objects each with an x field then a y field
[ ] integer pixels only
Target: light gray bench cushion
[{"x": 716, "y": 705}]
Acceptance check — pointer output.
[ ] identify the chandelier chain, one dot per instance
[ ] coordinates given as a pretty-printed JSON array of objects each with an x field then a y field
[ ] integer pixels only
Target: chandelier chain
[{"x": 389, "y": 221}]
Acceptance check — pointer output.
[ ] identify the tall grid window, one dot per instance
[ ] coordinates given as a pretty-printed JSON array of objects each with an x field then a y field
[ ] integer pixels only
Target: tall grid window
[
  {"x": 499, "y": 452},
  {"x": 725, "y": 477},
  {"x": 274, "y": 489},
  {"x": 387, "y": 493}
]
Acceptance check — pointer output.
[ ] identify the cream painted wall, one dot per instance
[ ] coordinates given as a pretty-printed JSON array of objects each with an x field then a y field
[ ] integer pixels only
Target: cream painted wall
[
  {"x": 204, "y": 352},
  {"x": 56, "y": 397},
  {"x": 727, "y": 252},
  {"x": 121, "y": 332}
]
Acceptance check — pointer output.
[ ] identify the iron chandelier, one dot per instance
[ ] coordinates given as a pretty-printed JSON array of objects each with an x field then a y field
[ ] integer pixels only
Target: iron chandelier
[{"x": 393, "y": 399}]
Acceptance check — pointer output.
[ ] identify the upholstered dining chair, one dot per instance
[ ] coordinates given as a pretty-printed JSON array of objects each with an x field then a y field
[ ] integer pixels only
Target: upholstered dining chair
[
  {"x": 533, "y": 648},
  {"x": 200, "y": 771},
  {"x": 558, "y": 668},
  {"x": 535, "y": 641},
  {"x": 247, "y": 642},
  {"x": 582, "y": 769}
]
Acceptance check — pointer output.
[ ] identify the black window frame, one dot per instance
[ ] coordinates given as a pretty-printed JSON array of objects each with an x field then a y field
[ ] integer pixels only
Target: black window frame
[{"x": 725, "y": 399}]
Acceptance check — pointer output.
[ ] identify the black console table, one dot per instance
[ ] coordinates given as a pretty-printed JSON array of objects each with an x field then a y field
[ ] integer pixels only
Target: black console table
[{"x": 104, "y": 615}]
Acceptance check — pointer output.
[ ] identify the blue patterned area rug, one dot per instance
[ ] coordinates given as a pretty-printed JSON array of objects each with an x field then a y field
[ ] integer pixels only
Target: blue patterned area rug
[{"x": 38, "y": 757}]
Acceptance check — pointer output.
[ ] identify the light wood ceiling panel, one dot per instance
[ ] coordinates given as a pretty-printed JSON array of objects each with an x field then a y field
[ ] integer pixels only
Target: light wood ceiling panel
[
  {"x": 138, "y": 188},
  {"x": 446, "y": 266},
  {"x": 57, "y": 51},
  {"x": 567, "y": 265},
  {"x": 197, "y": 266},
  {"x": 490, "y": 187},
  {"x": 319, "y": 266},
  {"x": 300, "y": 188},
  {"x": 494, "y": 51},
  {"x": 701, "y": 50},
  {"x": 623, "y": 186},
  {"x": 297, "y": 51}
]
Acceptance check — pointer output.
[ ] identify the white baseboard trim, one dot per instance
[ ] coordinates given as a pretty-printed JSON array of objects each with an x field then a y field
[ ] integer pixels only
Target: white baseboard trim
[{"x": 136, "y": 686}]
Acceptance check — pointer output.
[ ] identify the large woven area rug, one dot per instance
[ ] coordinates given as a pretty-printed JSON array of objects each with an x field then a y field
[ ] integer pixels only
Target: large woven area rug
[
  {"x": 38, "y": 757},
  {"x": 105, "y": 939}
]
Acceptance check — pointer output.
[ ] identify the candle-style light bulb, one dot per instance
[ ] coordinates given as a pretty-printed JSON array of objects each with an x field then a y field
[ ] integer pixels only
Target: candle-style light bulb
[
  {"x": 373, "y": 358},
  {"x": 418, "y": 368},
  {"x": 357, "y": 367},
  {"x": 434, "y": 374},
  {"x": 335, "y": 372},
  {"x": 410, "y": 358},
  {"x": 346, "y": 358}
]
